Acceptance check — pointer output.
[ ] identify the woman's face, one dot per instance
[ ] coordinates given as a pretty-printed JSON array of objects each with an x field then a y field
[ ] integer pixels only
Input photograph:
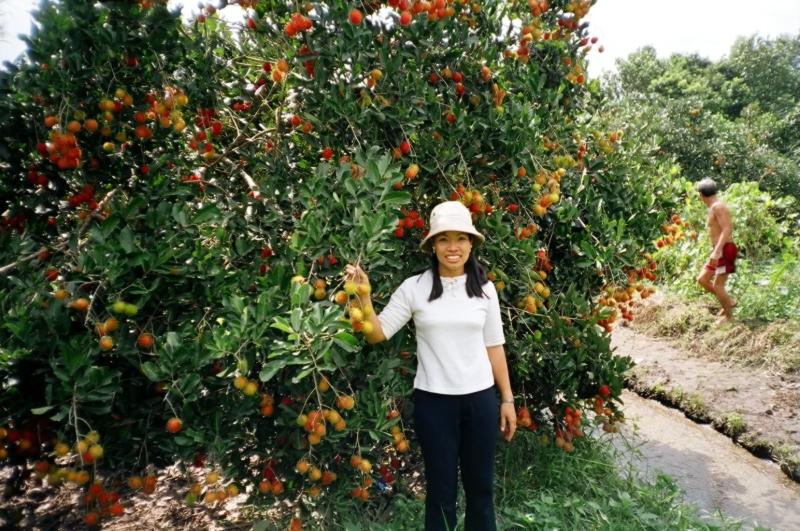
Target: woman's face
[{"x": 452, "y": 250}]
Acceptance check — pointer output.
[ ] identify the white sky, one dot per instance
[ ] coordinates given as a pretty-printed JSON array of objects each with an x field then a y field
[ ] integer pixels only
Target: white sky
[{"x": 707, "y": 27}]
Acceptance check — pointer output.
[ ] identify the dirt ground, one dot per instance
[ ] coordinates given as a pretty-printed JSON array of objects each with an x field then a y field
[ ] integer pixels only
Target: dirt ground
[
  {"x": 759, "y": 409},
  {"x": 42, "y": 507},
  {"x": 60, "y": 508},
  {"x": 772, "y": 346}
]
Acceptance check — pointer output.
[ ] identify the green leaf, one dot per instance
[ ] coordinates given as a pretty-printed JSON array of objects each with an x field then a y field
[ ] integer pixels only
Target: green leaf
[
  {"x": 173, "y": 339},
  {"x": 297, "y": 314},
  {"x": 347, "y": 342},
  {"x": 338, "y": 358},
  {"x": 348, "y": 338},
  {"x": 126, "y": 239},
  {"x": 373, "y": 172},
  {"x": 110, "y": 224},
  {"x": 62, "y": 375},
  {"x": 189, "y": 383},
  {"x": 74, "y": 359},
  {"x": 97, "y": 235},
  {"x": 179, "y": 215},
  {"x": 263, "y": 307},
  {"x": 41, "y": 410},
  {"x": 303, "y": 374},
  {"x": 151, "y": 370},
  {"x": 395, "y": 198},
  {"x": 241, "y": 247},
  {"x": 282, "y": 324},
  {"x": 588, "y": 249},
  {"x": 527, "y": 249},
  {"x": 206, "y": 213},
  {"x": 271, "y": 369},
  {"x": 350, "y": 186}
]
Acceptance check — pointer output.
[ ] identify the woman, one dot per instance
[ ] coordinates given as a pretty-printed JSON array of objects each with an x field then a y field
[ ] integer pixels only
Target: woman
[{"x": 461, "y": 358}]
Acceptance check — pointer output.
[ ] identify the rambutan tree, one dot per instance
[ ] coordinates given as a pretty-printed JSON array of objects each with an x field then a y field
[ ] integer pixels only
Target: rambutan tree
[{"x": 180, "y": 201}]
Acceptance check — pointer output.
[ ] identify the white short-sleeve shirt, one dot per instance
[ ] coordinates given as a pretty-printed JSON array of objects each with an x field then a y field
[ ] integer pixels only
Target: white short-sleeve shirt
[{"x": 453, "y": 332}]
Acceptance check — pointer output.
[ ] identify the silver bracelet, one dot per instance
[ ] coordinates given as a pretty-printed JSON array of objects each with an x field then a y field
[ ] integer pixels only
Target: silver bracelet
[{"x": 507, "y": 401}]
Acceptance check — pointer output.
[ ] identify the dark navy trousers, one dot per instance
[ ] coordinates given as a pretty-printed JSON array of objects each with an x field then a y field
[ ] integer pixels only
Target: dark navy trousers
[{"x": 458, "y": 431}]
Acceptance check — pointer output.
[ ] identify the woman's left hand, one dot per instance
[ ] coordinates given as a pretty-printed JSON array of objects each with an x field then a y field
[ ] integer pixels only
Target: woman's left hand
[{"x": 508, "y": 420}]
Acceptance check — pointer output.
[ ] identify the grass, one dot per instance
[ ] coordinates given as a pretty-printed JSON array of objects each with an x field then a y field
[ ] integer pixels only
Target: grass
[
  {"x": 697, "y": 405},
  {"x": 541, "y": 488},
  {"x": 693, "y": 405},
  {"x": 588, "y": 490},
  {"x": 735, "y": 422}
]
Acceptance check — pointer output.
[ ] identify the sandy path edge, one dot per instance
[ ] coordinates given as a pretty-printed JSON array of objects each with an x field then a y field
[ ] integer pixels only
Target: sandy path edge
[{"x": 765, "y": 405}]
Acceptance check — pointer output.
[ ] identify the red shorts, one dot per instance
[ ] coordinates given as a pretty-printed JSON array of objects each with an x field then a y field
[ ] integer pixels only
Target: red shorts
[{"x": 726, "y": 262}]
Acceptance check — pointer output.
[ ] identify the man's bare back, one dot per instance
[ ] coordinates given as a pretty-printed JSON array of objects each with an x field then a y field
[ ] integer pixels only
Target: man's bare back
[{"x": 717, "y": 211}]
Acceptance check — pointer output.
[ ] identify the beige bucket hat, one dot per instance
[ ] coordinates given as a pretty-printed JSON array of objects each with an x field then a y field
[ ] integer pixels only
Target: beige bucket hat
[{"x": 451, "y": 215}]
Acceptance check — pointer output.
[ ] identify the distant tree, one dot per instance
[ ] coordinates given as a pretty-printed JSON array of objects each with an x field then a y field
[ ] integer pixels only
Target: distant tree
[
  {"x": 770, "y": 71},
  {"x": 638, "y": 71}
]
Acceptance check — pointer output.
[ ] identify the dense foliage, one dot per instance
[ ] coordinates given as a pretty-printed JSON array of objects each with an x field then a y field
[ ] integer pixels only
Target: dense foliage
[
  {"x": 735, "y": 120},
  {"x": 180, "y": 200}
]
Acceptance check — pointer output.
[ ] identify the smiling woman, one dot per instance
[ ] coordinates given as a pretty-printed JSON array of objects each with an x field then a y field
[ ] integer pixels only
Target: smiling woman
[
  {"x": 461, "y": 365},
  {"x": 452, "y": 251}
]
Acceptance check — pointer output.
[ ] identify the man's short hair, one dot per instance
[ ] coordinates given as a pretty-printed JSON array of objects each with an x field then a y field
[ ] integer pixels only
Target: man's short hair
[{"x": 707, "y": 187}]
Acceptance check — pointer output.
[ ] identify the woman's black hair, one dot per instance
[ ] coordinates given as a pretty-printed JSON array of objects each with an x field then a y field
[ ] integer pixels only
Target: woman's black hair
[{"x": 476, "y": 277}]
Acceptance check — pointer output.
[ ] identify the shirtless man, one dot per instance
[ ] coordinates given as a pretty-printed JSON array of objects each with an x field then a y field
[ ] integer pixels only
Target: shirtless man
[{"x": 724, "y": 252}]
